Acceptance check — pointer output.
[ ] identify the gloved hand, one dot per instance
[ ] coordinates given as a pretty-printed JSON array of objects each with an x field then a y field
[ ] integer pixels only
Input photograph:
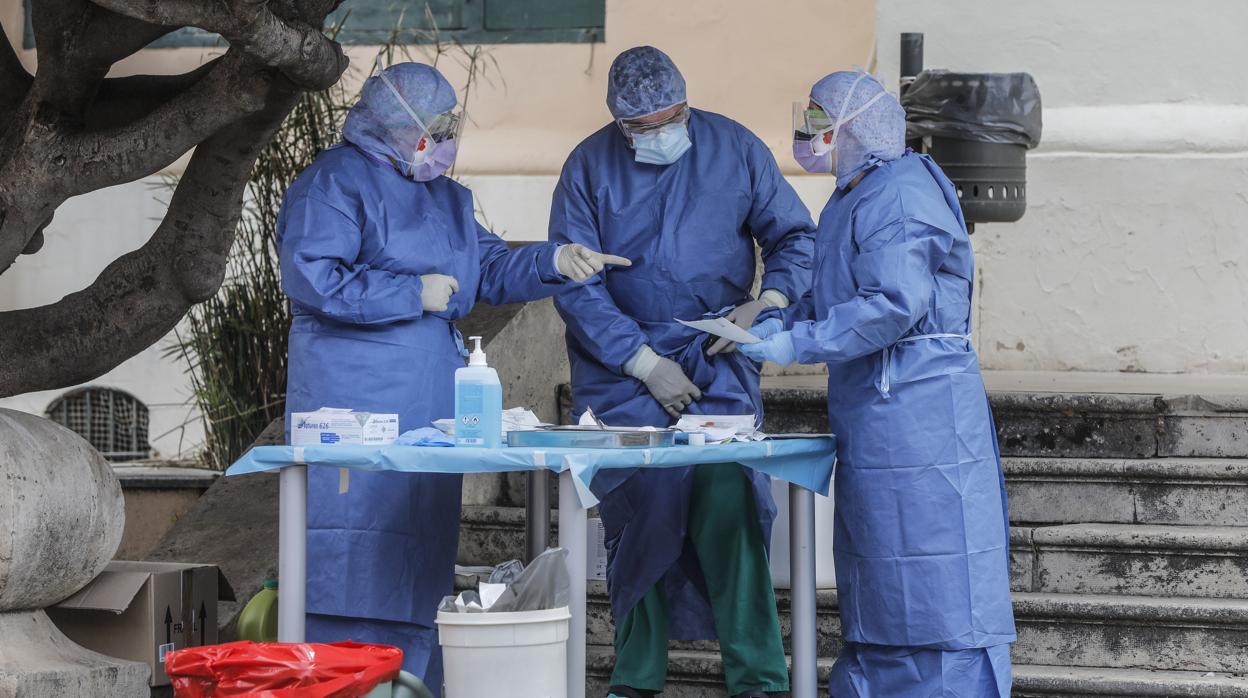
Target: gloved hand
[
  {"x": 436, "y": 291},
  {"x": 579, "y": 263},
  {"x": 671, "y": 387},
  {"x": 767, "y": 328},
  {"x": 744, "y": 316},
  {"x": 777, "y": 348}
]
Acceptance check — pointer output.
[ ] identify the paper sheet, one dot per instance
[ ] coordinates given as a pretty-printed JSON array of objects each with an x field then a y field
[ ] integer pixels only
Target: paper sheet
[
  {"x": 719, "y": 428},
  {"x": 721, "y": 327}
]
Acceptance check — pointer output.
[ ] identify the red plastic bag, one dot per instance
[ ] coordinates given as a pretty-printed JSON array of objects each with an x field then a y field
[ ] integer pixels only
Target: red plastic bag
[{"x": 282, "y": 669}]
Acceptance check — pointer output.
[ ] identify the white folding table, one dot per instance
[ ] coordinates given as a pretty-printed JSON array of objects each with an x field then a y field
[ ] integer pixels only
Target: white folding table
[{"x": 805, "y": 463}]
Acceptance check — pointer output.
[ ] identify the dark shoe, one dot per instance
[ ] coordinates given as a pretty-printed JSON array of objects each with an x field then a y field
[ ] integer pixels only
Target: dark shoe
[{"x": 626, "y": 692}]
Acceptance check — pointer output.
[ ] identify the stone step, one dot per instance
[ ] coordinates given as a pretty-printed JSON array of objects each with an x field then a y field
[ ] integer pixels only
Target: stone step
[
  {"x": 1125, "y": 632},
  {"x": 699, "y": 674},
  {"x": 1038, "y": 681},
  {"x": 1132, "y": 632},
  {"x": 1181, "y": 491},
  {"x": 1066, "y": 425},
  {"x": 1198, "y": 561},
  {"x": 1195, "y": 561}
]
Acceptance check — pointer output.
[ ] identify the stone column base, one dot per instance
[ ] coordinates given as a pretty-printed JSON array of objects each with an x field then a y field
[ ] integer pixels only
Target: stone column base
[{"x": 38, "y": 661}]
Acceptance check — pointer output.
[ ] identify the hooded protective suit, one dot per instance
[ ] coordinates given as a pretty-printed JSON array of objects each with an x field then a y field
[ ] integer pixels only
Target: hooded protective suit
[
  {"x": 355, "y": 235},
  {"x": 921, "y": 530}
]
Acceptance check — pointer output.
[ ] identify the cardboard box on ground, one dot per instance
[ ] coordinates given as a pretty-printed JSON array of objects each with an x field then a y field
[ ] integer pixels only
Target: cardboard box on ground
[{"x": 142, "y": 610}]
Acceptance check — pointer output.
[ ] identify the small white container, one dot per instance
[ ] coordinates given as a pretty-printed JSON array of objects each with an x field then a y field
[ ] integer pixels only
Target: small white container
[
  {"x": 697, "y": 439},
  {"x": 518, "y": 655}
]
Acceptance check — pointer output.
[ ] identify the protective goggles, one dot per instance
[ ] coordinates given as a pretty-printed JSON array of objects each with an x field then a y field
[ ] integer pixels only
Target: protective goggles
[
  {"x": 809, "y": 121},
  {"x": 633, "y": 127}
]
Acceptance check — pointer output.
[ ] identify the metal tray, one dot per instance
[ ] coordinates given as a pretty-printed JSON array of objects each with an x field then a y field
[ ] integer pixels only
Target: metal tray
[{"x": 592, "y": 437}]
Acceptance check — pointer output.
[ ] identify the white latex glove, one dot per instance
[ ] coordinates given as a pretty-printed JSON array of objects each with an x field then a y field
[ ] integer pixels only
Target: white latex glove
[
  {"x": 579, "y": 263},
  {"x": 436, "y": 291}
]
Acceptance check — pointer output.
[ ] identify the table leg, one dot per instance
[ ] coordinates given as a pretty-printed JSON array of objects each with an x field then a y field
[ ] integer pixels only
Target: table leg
[
  {"x": 537, "y": 514},
  {"x": 573, "y": 537},
  {"x": 805, "y": 682},
  {"x": 292, "y": 553}
]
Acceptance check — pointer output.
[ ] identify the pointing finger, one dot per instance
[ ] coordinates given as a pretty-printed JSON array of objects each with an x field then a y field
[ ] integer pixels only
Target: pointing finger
[{"x": 617, "y": 261}]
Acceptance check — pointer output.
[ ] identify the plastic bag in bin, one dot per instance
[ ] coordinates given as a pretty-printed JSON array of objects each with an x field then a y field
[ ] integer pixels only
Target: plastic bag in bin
[
  {"x": 983, "y": 107},
  {"x": 282, "y": 669}
]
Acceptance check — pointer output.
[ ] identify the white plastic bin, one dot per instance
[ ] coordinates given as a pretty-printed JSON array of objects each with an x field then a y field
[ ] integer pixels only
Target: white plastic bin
[
  {"x": 518, "y": 655},
  {"x": 825, "y": 569}
]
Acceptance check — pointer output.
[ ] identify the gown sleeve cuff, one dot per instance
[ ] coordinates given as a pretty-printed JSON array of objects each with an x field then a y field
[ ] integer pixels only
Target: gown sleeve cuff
[
  {"x": 642, "y": 363},
  {"x": 774, "y": 298}
]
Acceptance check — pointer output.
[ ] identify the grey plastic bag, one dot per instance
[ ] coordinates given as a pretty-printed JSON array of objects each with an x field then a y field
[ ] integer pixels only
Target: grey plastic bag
[
  {"x": 544, "y": 584},
  {"x": 506, "y": 573}
]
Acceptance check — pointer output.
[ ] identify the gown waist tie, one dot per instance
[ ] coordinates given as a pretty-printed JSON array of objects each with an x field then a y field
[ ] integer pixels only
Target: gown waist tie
[{"x": 887, "y": 354}]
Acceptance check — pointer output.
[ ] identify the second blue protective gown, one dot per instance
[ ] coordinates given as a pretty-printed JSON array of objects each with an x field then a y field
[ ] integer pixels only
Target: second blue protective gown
[
  {"x": 921, "y": 529},
  {"x": 354, "y": 238},
  {"x": 690, "y": 229}
]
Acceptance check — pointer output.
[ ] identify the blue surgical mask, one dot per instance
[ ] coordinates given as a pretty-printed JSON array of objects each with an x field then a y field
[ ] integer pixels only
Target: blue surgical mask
[{"x": 662, "y": 147}]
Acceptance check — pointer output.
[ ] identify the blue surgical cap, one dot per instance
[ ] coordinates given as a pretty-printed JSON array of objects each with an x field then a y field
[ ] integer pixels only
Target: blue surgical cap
[
  {"x": 642, "y": 81},
  {"x": 879, "y": 133},
  {"x": 381, "y": 125}
]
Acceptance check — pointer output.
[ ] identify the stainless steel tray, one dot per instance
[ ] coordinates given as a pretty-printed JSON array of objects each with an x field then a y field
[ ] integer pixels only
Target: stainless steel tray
[{"x": 592, "y": 437}]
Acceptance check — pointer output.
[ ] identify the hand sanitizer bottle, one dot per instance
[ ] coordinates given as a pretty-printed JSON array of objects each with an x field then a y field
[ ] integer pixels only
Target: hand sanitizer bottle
[{"x": 478, "y": 403}]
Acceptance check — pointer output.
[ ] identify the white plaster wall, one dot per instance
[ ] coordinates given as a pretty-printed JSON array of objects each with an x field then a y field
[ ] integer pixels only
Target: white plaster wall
[{"x": 1132, "y": 254}]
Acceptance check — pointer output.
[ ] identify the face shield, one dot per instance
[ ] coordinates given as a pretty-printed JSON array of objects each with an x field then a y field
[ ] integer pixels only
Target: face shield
[
  {"x": 434, "y": 151},
  {"x": 815, "y": 132}
]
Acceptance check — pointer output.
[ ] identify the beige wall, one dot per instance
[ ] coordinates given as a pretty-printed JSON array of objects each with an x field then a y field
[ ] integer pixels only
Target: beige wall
[{"x": 746, "y": 59}]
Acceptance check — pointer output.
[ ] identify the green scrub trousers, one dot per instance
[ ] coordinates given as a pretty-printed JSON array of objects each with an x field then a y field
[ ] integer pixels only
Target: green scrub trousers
[{"x": 723, "y": 525}]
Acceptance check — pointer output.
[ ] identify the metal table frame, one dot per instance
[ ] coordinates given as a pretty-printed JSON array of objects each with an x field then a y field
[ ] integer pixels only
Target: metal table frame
[{"x": 573, "y": 537}]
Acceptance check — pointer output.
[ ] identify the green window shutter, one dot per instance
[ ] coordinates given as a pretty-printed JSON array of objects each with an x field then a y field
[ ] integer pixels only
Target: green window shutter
[
  {"x": 372, "y": 22},
  {"x": 543, "y": 14}
]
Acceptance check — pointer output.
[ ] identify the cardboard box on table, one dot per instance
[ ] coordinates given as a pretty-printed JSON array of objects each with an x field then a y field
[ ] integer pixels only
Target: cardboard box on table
[{"x": 142, "y": 610}]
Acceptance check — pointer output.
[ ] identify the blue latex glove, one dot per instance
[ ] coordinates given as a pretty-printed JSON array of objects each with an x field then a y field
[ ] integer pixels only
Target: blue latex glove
[
  {"x": 767, "y": 328},
  {"x": 425, "y": 436},
  {"x": 777, "y": 348}
]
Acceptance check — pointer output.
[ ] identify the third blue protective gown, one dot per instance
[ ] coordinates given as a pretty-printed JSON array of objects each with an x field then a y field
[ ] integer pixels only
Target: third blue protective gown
[
  {"x": 921, "y": 532},
  {"x": 690, "y": 229}
]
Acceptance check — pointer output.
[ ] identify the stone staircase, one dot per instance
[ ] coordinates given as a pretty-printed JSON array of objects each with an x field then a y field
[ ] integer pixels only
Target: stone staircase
[{"x": 1129, "y": 542}]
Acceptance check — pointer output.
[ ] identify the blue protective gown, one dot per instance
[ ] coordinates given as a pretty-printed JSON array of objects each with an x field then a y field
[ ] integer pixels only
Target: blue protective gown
[
  {"x": 690, "y": 229},
  {"x": 354, "y": 237},
  {"x": 921, "y": 532}
]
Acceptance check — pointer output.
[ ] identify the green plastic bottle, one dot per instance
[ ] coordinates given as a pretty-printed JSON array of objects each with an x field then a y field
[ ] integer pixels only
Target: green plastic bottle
[{"x": 258, "y": 621}]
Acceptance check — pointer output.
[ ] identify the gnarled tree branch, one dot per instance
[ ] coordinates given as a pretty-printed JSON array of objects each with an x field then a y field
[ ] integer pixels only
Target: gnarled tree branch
[
  {"x": 14, "y": 80},
  {"x": 78, "y": 42},
  {"x": 73, "y": 131},
  {"x": 140, "y": 297},
  {"x": 236, "y": 86},
  {"x": 122, "y": 100},
  {"x": 298, "y": 48}
]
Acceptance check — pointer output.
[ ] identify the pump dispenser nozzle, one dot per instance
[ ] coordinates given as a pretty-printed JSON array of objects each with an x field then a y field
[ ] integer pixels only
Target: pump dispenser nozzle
[{"x": 477, "y": 357}]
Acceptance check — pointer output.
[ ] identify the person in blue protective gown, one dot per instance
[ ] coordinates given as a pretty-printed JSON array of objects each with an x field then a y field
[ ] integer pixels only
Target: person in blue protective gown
[
  {"x": 686, "y": 194},
  {"x": 380, "y": 254},
  {"x": 921, "y": 528}
]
